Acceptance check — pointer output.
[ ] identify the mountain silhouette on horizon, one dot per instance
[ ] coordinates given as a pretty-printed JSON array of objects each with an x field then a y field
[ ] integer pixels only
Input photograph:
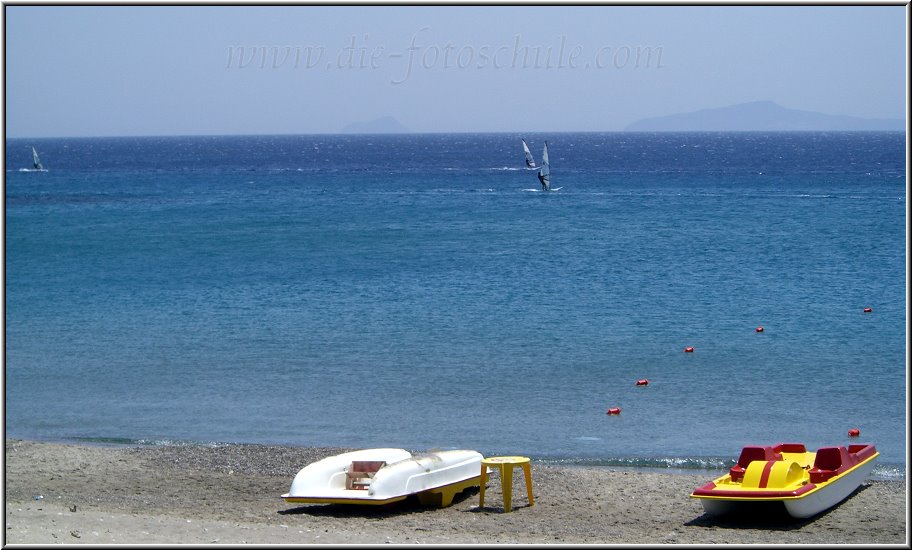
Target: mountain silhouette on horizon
[{"x": 760, "y": 116}]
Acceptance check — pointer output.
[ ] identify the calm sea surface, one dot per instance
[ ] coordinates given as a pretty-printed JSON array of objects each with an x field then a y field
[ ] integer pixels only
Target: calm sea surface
[{"x": 419, "y": 291}]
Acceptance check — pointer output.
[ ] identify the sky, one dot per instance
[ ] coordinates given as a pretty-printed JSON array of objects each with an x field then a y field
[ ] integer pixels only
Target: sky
[{"x": 119, "y": 70}]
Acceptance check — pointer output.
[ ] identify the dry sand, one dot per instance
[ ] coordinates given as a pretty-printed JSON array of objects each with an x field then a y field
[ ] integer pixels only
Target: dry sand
[{"x": 75, "y": 494}]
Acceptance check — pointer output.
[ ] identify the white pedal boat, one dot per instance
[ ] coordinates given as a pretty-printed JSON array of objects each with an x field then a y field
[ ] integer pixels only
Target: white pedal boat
[{"x": 382, "y": 476}]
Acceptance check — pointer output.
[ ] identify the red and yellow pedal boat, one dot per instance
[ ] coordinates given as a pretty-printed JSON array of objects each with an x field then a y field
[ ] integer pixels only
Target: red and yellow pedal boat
[{"x": 806, "y": 482}]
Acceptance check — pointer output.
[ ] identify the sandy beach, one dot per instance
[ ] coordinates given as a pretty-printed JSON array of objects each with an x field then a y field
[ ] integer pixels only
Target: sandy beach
[{"x": 78, "y": 494}]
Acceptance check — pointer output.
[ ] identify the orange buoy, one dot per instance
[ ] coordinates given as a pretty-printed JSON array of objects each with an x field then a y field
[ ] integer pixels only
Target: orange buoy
[
  {"x": 854, "y": 432},
  {"x": 759, "y": 329},
  {"x": 643, "y": 382},
  {"x": 868, "y": 310},
  {"x": 688, "y": 349},
  {"x": 615, "y": 410}
]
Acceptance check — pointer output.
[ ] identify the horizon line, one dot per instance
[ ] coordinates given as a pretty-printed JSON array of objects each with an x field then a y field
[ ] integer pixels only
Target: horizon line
[{"x": 410, "y": 133}]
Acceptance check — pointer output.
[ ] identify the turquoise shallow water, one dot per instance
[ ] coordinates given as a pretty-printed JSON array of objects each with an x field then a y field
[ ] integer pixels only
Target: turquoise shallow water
[{"x": 419, "y": 291}]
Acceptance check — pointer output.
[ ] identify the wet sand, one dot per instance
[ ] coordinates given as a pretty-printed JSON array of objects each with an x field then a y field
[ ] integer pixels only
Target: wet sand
[{"x": 80, "y": 494}]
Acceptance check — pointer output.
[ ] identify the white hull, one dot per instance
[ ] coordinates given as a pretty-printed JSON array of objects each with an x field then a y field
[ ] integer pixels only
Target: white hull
[
  {"x": 436, "y": 477},
  {"x": 831, "y": 495}
]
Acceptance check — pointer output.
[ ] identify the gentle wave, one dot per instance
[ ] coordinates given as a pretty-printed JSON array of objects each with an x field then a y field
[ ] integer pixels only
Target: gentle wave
[
  {"x": 714, "y": 465},
  {"x": 719, "y": 465},
  {"x": 660, "y": 463},
  {"x": 130, "y": 442}
]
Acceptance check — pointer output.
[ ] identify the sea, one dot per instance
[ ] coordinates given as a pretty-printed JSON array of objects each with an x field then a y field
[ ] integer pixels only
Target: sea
[{"x": 422, "y": 291}]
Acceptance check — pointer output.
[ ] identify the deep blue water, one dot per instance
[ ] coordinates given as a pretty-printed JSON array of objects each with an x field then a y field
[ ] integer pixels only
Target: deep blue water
[{"x": 419, "y": 291}]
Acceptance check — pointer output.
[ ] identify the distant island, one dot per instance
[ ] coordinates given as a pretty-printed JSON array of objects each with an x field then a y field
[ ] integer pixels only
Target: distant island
[
  {"x": 382, "y": 125},
  {"x": 760, "y": 116}
]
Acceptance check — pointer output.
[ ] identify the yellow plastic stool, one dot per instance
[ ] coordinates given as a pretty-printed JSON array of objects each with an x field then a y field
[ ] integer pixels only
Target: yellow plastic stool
[{"x": 505, "y": 465}]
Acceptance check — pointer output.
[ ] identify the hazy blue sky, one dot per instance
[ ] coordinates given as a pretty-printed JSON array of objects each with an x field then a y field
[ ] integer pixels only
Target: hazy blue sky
[{"x": 151, "y": 70}]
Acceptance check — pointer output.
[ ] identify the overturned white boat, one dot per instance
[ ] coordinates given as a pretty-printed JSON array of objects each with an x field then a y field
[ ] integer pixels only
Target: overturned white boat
[{"x": 382, "y": 476}]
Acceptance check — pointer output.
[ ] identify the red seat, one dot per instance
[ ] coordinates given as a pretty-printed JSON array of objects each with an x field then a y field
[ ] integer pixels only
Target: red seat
[
  {"x": 861, "y": 452},
  {"x": 750, "y": 454},
  {"x": 791, "y": 448},
  {"x": 829, "y": 462}
]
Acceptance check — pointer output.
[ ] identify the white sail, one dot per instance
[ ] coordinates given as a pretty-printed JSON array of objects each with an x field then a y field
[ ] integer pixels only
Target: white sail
[
  {"x": 530, "y": 162},
  {"x": 36, "y": 162},
  {"x": 544, "y": 173}
]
